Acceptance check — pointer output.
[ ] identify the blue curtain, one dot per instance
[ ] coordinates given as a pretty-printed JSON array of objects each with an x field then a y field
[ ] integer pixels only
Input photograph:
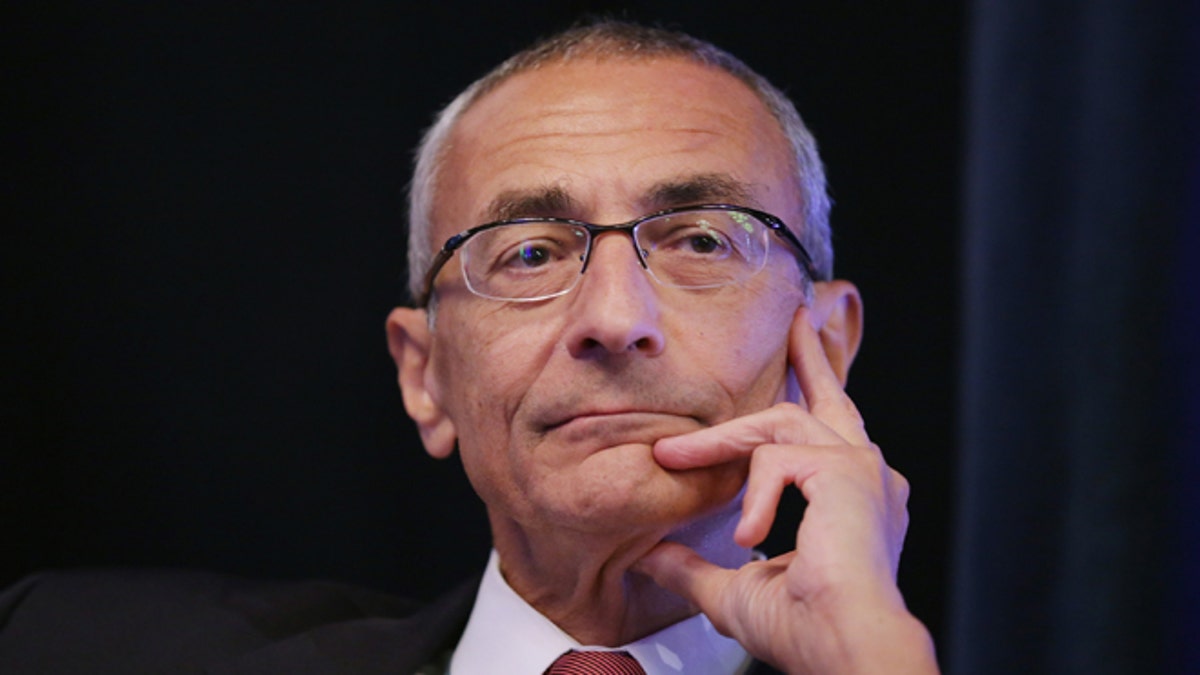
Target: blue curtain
[{"x": 1076, "y": 533}]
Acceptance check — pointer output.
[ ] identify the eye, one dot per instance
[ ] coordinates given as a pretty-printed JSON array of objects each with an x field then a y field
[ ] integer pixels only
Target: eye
[
  {"x": 533, "y": 256},
  {"x": 704, "y": 243},
  {"x": 529, "y": 255},
  {"x": 528, "y": 248},
  {"x": 698, "y": 238}
]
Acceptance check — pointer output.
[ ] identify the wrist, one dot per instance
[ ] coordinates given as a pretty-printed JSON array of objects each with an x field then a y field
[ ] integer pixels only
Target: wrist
[{"x": 875, "y": 637}]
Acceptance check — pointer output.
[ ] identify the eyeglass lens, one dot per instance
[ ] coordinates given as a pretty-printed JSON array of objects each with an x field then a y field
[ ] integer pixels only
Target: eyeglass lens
[{"x": 688, "y": 249}]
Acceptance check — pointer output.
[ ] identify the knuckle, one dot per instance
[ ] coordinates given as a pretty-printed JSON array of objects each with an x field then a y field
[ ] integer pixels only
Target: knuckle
[
  {"x": 789, "y": 421},
  {"x": 787, "y": 409},
  {"x": 902, "y": 487},
  {"x": 773, "y": 459},
  {"x": 839, "y": 402}
]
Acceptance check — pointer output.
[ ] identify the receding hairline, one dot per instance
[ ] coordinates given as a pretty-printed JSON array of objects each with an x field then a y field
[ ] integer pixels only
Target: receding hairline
[
  {"x": 610, "y": 39},
  {"x": 600, "y": 57}
]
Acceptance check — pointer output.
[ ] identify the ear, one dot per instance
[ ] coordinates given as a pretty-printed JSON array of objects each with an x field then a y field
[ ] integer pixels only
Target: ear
[
  {"x": 409, "y": 341},
  {"x": 837, "y": 315}
]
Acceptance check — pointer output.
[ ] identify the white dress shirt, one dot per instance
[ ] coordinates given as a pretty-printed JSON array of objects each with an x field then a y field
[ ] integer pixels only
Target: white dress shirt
[{"x": 506, "y": 635}]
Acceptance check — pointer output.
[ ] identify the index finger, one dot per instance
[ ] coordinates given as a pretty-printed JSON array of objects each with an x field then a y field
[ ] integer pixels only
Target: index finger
[
  {"x": 823, "y": 392},
  {"x": 739, "y": 437}
]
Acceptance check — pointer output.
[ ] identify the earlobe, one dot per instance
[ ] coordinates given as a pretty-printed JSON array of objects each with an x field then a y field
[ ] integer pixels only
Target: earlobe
[
  {"x": 409, "y": 341},
  {"x": 837, "y": 314}
]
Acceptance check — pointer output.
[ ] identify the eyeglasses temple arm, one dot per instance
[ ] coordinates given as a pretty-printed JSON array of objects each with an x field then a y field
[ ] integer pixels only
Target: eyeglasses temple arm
[{"x": 436, "y": 265}]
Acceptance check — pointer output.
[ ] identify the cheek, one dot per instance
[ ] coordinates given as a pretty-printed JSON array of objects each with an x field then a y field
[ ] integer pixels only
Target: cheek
[
  {"x": 748, "y": 355},
  {"x": 487, "y": 366},
  {"x": 485, "y": 372}
]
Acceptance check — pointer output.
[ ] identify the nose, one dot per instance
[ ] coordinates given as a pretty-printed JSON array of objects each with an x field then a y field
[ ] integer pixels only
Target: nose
[{"x": 615, "y": 309}]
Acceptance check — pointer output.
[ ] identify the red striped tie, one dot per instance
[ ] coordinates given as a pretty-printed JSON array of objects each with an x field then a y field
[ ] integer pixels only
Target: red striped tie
[{"x": 595, "y": 663}]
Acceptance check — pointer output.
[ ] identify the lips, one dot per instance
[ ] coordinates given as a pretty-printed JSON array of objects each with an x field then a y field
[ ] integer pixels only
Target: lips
[
  {"x": 606, "y": 415},
  {"x": 638, "y": 406},
  {"x": 622, "y": 427},
  {"x": 573, "y": 407}
]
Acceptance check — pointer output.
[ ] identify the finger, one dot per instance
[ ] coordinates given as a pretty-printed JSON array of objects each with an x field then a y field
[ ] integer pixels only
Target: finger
[
  {"x": 784, "y": 423},
  {"x": 822, "y": 389},
  {"x": 769, "y": 475},
  {"x": 853, "y": 498},
  {"x": 774, "y": 467},
  {"x": 682, "y": 571}
]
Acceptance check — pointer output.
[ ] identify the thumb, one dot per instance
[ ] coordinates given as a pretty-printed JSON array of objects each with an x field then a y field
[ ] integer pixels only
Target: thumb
[{"x": 682, "y": 571}]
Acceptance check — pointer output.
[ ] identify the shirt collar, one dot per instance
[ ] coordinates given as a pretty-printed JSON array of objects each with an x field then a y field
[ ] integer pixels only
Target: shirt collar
[{"x": 505, "y": 634}]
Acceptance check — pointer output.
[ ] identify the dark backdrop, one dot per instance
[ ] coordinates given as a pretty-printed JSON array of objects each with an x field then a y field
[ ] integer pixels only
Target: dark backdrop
[
  {"x": 203, "y": 209},
  {"x": 1078, "y": 538}
]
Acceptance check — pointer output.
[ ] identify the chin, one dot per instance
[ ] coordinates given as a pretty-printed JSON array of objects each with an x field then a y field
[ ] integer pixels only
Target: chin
[{"x": 634, "y": 495}]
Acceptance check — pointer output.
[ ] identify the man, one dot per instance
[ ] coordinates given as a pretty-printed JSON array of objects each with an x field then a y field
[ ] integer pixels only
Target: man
[
  {"x": 609, "y": 400},
  {"x": 626, "y": 326}
]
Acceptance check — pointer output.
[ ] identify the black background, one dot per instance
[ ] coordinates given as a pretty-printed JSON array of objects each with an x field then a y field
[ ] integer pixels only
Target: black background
[{"x": 204, "y": 208}]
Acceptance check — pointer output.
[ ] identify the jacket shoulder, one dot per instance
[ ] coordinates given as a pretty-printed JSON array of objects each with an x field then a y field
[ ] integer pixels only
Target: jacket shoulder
[{"x": 171, "y": 621}]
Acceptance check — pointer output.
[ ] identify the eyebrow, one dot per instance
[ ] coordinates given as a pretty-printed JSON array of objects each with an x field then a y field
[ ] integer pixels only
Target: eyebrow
[
  {"x": 554, "y": 200},
  {"x": 699, "y": 189},
  {"x": 545, "y": 201}
]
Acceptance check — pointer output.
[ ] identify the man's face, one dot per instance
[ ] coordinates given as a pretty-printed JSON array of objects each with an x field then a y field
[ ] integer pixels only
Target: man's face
[{"x": 556, "y": 403}]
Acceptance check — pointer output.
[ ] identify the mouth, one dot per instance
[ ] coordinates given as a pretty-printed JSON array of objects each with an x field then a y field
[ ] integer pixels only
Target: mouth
[
  {"x": 615, "y": 427},
  {"x": 613, "y": 415}
]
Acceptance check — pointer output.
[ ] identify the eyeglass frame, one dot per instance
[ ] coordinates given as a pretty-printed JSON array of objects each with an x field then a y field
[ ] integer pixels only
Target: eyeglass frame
[{"x": 773, "y": 223}]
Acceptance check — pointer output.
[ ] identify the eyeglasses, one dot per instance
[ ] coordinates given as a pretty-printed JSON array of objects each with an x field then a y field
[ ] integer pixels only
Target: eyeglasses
[{"x": 694, "y": 247}]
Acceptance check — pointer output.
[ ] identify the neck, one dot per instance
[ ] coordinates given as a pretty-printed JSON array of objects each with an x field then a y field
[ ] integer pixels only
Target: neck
[{"x": 583, "y": 583}]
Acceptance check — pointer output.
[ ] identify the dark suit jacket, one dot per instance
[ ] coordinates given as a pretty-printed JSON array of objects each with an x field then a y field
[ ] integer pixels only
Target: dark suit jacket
[{"x": 184, "y": 622}]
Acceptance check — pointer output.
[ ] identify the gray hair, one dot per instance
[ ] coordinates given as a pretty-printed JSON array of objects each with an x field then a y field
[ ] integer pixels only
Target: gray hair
[{"x": 620, "y": 39}]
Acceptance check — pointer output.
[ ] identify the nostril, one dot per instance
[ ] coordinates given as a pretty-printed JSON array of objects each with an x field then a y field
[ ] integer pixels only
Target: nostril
[{"x": 596, "y": 347}]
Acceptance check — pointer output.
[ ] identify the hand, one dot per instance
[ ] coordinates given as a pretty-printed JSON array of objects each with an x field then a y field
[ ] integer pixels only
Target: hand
[{"x": 832, "y": 605}]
